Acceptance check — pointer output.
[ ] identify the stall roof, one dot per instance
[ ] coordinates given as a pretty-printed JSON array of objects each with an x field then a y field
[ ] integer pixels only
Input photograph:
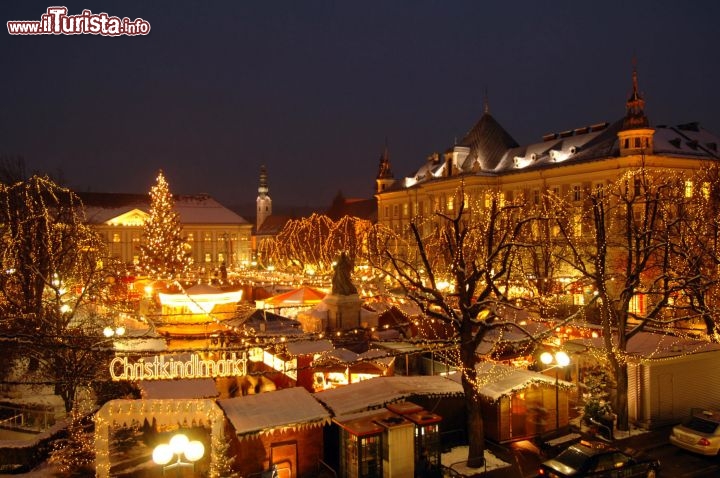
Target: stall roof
[
  {"x": 185, "y": 388},
  {"x": 650, "y": 345},
  {"x": 309, "y": 347},
  {"x": 502, "y": 380},
  {"x": 265, "y": 412},
  {"x": 376, "y": 392}
]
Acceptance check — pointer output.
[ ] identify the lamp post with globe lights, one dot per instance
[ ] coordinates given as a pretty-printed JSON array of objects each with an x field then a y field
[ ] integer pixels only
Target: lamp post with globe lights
[
  {"x": 179, "y": 446},
  {"x": 114, "y": 332},
  {"x": 558, "y": 360}
]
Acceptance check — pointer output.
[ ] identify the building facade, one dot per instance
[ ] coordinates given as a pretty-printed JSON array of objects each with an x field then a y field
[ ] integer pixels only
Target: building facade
[
  {"x": 570, "y": 163},
  {"x": 214, "y": 233}
]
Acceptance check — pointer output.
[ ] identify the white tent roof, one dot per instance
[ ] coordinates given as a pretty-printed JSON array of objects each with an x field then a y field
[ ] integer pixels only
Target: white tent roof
[
  {"x": 185, "y": 388},
  {"x": 307, "y": 347},
  {"x": 377, "y": 392},
  {"x": 265, "y": 412},
  {"x": 650, "y": 345},
  {"x": 502, "y": 380}
]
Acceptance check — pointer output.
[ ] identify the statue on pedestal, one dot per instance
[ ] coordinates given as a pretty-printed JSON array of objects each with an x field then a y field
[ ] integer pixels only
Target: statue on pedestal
[{"x": 341, "y": 282}]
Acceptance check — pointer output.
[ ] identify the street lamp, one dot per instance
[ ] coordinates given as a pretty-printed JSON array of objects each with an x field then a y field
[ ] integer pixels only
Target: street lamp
[
  {"x": 179, "y": 445},
  {"x": 559, "y": 360},
  {"x": 109, "y": 331}
]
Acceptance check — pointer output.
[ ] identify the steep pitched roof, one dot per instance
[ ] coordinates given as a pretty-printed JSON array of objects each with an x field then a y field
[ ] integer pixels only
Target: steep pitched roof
[
  {"x": 272, "y": 225},
  {"x": 488, "y": 142}
]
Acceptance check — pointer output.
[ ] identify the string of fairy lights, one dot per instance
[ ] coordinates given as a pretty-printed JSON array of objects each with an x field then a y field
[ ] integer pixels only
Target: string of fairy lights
[{"x": 645, "y": 203}]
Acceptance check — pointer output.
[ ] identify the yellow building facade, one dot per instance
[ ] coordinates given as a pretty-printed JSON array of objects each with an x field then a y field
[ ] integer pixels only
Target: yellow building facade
[
  {"x": 214, "y": 233},
  {"x": 570, "y": 164}
]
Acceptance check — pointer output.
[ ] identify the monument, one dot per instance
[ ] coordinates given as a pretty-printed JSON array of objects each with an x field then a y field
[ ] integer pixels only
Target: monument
[{"x": 343, "y": 302}]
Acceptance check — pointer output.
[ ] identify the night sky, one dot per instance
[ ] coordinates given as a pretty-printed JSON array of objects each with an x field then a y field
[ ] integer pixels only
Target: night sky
[{"x": 312, "y": 89}]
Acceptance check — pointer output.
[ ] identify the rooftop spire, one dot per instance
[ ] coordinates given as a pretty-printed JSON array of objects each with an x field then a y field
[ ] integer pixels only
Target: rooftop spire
[
  {"x": 384, "y": 171},
  {"x": 486, "y": 103},
  {"x": 635, "y": 105},
  {"x": 263, "y": 189}
]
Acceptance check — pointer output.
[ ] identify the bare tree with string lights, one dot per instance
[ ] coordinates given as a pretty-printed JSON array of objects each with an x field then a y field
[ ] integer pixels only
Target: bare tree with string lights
[
  {"x": 642, "y": 243},
  {"x": 52, "y": 288},
  {"x": 468, "y": 269},
  {"x": 311, "y": 245}
]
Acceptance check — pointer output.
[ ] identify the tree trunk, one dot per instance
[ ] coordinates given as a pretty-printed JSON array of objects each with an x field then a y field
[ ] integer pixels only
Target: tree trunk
[
  {"x": 621, "y": 397},
  {"x": 475, "y": 427}
]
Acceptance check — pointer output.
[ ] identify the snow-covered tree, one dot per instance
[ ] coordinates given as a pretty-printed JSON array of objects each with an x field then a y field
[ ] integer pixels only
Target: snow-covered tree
[{"x": 164, "y": 252}]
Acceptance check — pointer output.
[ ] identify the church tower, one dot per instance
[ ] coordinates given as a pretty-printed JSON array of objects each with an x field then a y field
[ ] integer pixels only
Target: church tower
[
  {"x": 636, "y": 135},
  {"x": 264, "y": 203},
  {"x": 385, "y": 176}
]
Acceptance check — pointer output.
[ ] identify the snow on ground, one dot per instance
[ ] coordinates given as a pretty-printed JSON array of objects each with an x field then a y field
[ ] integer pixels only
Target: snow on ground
[
  {"x": 457, "y": 458},
  {"x": 43, "y": 470}
]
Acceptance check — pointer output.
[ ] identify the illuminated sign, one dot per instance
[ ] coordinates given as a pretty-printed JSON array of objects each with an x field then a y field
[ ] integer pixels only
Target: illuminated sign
[{"x": 162, "y": 368}]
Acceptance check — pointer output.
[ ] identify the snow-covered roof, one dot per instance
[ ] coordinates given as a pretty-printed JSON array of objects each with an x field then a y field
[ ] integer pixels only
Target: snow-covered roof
[
  {"x": 348, "y": 357},
  {"x": 510, "y": 333},
  {"x": 376, "y": 392},
  {"x": 502, "y": 380},
  {"x": 309, "y": 347},
  {"x": 195, "y": 209},
  {"x": 266, "y": 412},
  {"x": 651, "y": 345},
  {"x": 185, "y": 388},
  {"x": 588, "y": 143}
]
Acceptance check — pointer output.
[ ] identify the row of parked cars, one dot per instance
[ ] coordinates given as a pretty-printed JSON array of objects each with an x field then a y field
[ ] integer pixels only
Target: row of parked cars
[{"x": 700, "y": 434}]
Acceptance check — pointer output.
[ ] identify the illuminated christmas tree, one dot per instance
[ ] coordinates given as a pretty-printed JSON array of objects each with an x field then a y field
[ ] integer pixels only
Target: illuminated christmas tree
[
  {"x": 74, "y": 455},
  {"x": 164, "y": 252}
]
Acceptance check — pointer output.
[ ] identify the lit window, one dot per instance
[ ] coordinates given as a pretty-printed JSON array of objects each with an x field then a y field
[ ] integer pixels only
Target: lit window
[
  {"x": 116, "y": 237},
  {"x": 637, "y": 304},
  {"x": 208, "y": 257},
  {"x": 191, "y": 237},
  {"x": 577, "y": 226},
  {"x": 450, "y": 203},
  {"x": 221, "y": 257},
  {"x": 706, "y": 190},
  {"x": 208, "y": 237},
  {"x": 466, "y": 201},
  {"x": 688, "y": 189},
  {"x": 577, "y": 193},
  {"x": 406, "y": 209},
  {"x": 599, "y": 190},
  {"x": 136, "y": 260}
]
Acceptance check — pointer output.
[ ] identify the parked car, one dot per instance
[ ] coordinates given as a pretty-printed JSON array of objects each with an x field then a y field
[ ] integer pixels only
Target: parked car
[
  {"x": 596, "y": 459},
  {"x": 701, "y": 434}
]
